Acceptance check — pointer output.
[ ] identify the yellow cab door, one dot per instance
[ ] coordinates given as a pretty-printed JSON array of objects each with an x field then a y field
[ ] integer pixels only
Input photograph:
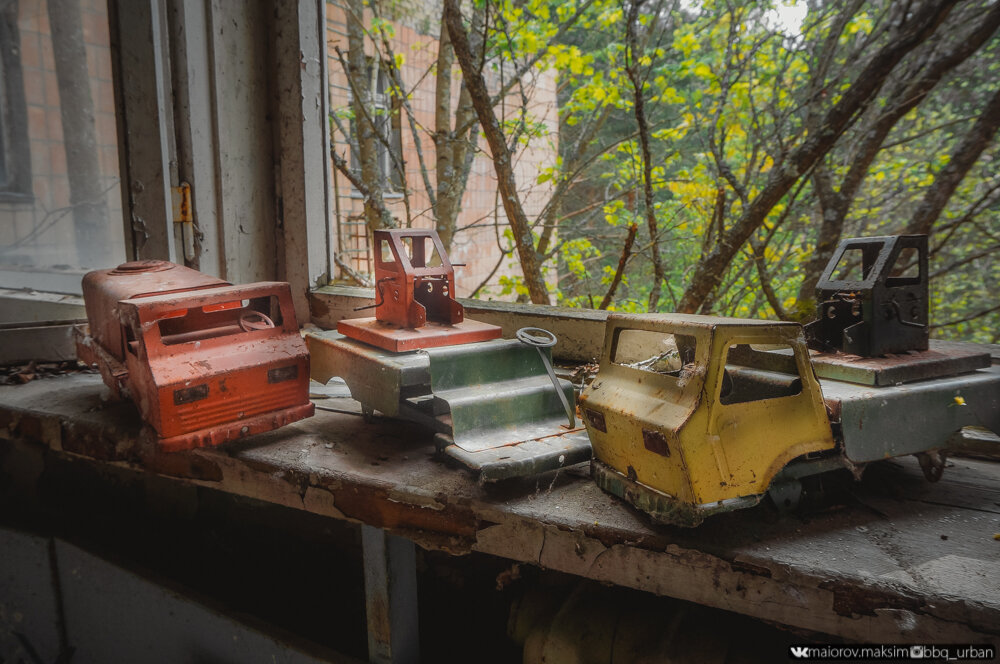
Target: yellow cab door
[{"x": 766, "y": 408}]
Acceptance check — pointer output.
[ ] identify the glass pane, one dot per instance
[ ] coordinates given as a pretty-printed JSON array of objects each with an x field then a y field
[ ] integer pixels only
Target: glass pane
[{"x": 60, "y": 203}]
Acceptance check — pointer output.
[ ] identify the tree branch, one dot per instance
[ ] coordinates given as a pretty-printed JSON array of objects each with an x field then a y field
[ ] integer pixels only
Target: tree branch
[
  {"x": 516, "y": 217},
  {"x": 708, "y": 273},
  {"x": 962, "y": 159},
  {"x": 626, "y": 254},
  {"x": 972, "y": 317}
]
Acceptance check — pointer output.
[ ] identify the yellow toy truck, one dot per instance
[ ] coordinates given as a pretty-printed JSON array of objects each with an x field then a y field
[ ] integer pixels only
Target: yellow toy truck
[{"x": 692, "y": 415}]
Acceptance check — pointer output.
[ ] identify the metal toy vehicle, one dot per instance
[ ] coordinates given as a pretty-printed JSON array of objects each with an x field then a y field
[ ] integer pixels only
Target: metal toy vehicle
[
  {"x": 205, "y": 361},
  {"x": 495, "y": 404},
  {"x": 415, "y": 305},
  {"x": 694, "y": 415},
  {"x": 873, "y": 297}
]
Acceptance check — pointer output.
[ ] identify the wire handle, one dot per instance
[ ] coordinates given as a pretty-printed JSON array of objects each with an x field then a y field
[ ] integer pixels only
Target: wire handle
[{"x": 539, "y": 338}]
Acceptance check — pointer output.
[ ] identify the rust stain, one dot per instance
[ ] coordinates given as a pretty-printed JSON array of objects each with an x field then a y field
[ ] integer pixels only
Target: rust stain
[
  {"x": 185, "y": 203},
  {"x": 319, "y": 308},
  {"x": 103, "y": 445},
  {"x": 372, "y": 506}
]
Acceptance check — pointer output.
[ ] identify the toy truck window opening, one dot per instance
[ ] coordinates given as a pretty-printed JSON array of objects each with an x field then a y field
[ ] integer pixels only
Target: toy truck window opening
[
  {"x": 855, "y": 264},
  {"x": 416, "y": 253},
  {"x": 211, "y": 321},
  {"x": 751, "y": 374},
  {"x": 416, "y": 250},
  {"x": 385, "y": 256},
  {"x": 906, "y": 270},
  {"x": 657, "y": 352},
  {"x": 858, "y": 264}
]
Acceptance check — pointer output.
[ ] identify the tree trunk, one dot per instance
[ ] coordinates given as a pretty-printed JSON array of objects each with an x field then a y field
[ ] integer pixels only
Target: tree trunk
[
  {"x": 833, "y": 212},
  {"x": 454, "y": 146},
  {"x": 647, "y": 167},
  {"x": 443, "y": 139},
  {"x": 376, "y": 214},
  {"x": 620, "y": 270},
  {"x": 710, "y": 269},
  {"x": 962, "y": 159},
  {"x": 518, "y": 220},
  {"x": 764, "y": 277}
]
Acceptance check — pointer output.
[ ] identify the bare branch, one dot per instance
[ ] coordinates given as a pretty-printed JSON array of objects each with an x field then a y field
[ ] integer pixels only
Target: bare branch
[
  {"x": 620, "y": 270},
  {"x": 971, "y": 317},
  {"x": 355, "y": 276}
]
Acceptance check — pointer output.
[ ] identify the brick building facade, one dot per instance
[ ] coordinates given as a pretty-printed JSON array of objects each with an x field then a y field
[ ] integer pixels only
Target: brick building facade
[
  {"x": 48, "y": 239},
  {"x": 482, "y": 218}
]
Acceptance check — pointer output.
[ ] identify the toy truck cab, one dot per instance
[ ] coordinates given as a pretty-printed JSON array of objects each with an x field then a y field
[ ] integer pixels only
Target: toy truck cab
[
  {"x": 204, "y": 361},
  {"x": 691, "y": 415}
]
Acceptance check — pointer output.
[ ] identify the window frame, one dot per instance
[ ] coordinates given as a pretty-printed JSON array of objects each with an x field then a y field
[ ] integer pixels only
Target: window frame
[{"x": 386, "y": 112}]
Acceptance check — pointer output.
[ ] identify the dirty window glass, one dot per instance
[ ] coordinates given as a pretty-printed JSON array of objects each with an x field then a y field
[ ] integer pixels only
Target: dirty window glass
[
  {"x": 60, "y": 202},
  {"x": 754, "y": 374},
  {"x": 657, "y": 352}
]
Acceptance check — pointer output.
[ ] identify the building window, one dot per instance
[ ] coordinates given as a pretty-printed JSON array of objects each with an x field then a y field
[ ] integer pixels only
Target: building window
[{"x": 385, "y": 114}]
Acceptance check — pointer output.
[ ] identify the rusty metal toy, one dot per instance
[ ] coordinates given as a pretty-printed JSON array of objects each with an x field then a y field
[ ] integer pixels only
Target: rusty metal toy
[
  {"x": 494, "y": 404},
  {"x": 693, "y": 415},
  {"x": 204, "y": 361},
  {"x": 873, "y": 298},
  {"x": 414, "y": 289}
]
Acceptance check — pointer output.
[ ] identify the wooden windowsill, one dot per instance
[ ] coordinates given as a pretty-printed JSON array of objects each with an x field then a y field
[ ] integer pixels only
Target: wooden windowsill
[{"x": 858, "y": 572}]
